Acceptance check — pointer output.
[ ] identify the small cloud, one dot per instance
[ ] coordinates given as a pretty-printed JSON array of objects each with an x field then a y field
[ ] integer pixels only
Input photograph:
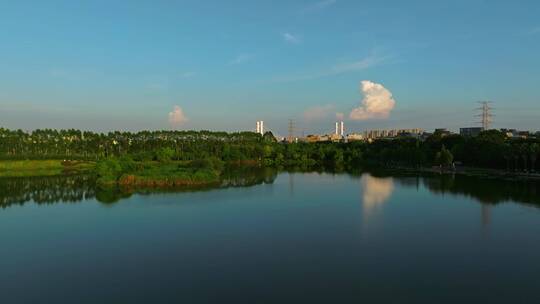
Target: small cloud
[
  {"x": 177, "y": 117},
  {"x": 362, "y": 64},
  {"x": 242, "y": 58},
  {"x": 377, "y": 103},
  {"x": 340, "y": 116},
  {"x": 318, "y": 112},
  {"x": 321, "y": 5},
  {"x": 358, "y": 65},
  {"x": 187, "y": 74},
  {"x": 534, "y": 31},
  {"x": 290, "y": 38}
]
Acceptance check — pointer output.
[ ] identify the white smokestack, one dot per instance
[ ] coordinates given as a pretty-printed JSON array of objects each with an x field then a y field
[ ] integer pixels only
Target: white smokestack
[
  {"x": 337, "y": 128},
  {"x": 342, "y": 128},
  {"x": 262, "y": 127},
  {"x": 258, "y": 127}
]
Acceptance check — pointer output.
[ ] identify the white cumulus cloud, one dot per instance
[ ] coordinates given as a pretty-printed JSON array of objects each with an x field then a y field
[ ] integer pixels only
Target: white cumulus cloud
[
  {"x": 177, "y": 116},
  {"x": 377, "y": 103}
]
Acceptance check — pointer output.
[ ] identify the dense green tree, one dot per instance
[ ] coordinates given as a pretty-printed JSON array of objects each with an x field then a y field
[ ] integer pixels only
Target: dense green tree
[
  {"x": 444, "y": 157},
  {"x": 164, "y": 155},
  {"x": 534, "y": 150},
  {"x": 491, "y": 149}
]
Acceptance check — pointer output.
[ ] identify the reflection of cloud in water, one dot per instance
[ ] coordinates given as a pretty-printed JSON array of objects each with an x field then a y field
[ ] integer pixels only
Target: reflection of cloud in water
[{"x": 376, "y": 191}]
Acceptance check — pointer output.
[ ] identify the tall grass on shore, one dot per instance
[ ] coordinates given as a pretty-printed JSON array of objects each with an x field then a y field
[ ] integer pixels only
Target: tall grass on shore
[{"x": 19, "y": 168}]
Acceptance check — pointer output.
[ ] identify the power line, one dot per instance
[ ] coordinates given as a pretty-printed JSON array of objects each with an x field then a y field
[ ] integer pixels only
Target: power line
[
  {"x": 291, "y": 131},
  {"x": 486, "y": 117}
]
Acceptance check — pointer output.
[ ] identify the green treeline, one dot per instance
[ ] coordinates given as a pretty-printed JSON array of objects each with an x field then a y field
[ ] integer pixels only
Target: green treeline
[
  {"x": 491, "y": 149},
  {"x": 181, "y": 150},
  {"x": 83, "y": 145}
]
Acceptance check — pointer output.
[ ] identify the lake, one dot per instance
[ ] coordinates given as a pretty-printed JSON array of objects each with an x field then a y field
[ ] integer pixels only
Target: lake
[{"x": 272, "y": 237}]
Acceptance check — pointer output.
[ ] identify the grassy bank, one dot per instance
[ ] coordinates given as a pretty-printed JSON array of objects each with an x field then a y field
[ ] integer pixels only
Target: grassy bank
[
  {"x": 153, "y": 174},
  {"x": 164, "y": 176},
  {"x": 28, "y": 168}
]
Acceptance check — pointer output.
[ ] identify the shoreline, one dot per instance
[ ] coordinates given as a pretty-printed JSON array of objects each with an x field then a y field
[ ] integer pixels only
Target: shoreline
[
  {"x": 45, "y": 168},
  {"x": 470, "y": 172}
]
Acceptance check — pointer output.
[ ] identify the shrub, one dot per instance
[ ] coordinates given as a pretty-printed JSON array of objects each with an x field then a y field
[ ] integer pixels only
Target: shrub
[
  {"x": 164, "y": 155},
  {"x": 108, "y": 170}
]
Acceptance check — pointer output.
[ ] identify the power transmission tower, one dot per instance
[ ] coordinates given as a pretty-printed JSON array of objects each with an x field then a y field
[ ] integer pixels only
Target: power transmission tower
[
  {"x": 291, "y": 131},
  {"x": 486, "y": 118}
]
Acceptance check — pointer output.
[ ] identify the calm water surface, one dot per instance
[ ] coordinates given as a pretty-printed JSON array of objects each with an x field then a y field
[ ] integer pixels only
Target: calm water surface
[{"x": 302, "y": 237}]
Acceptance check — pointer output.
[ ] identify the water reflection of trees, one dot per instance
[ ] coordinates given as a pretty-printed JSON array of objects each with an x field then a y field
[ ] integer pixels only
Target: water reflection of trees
[
  {"x": 484, "y": 190},
  {"x": 46, "y": 190},
  {"x": 231, "y": 177},
  {"x": 76, "y": 188},
  {"x": 245, "y": 176},
  {"x": 488, "y": 191}
]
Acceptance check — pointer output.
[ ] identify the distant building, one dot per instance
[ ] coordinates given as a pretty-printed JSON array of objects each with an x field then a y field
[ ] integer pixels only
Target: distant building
[
  {"x": 312, "y": 138},
  {"x": 510, "y": 133},
  {"x": 393, "y": 133},
  {"x": 513, "y": 133},
  {"x": 324, "y": 138},
  {"x": 524, "y": 134},
  {"x": 409, "y": 135},
  {"x": 355, "y": 137},
  {"x": 442, "y": 132},
  {"x": 425, "y": 136},
  {"x": 470, "y": 132},
  {"x": 335, "y": 137},
  {"x": 411, "y": 131}
]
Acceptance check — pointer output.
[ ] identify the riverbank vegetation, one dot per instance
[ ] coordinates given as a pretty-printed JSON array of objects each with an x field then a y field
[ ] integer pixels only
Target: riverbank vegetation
[
  {"x": 72, "y": 188},
  {"x": 170, "y": 157},
  {"x": 164, "y": 172},
  {"x": 12, "y": 168}
]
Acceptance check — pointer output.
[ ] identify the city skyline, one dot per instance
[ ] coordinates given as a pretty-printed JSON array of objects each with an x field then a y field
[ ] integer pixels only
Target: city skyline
[{"x": 197, "y": 65}]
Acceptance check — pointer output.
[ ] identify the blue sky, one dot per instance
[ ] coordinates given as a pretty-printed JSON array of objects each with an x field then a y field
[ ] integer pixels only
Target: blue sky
[{"x": 125, "y": 65}]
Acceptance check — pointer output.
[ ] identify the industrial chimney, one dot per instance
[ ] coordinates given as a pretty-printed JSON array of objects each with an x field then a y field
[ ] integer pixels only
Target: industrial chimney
[{"x": 342, "y": 128}]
